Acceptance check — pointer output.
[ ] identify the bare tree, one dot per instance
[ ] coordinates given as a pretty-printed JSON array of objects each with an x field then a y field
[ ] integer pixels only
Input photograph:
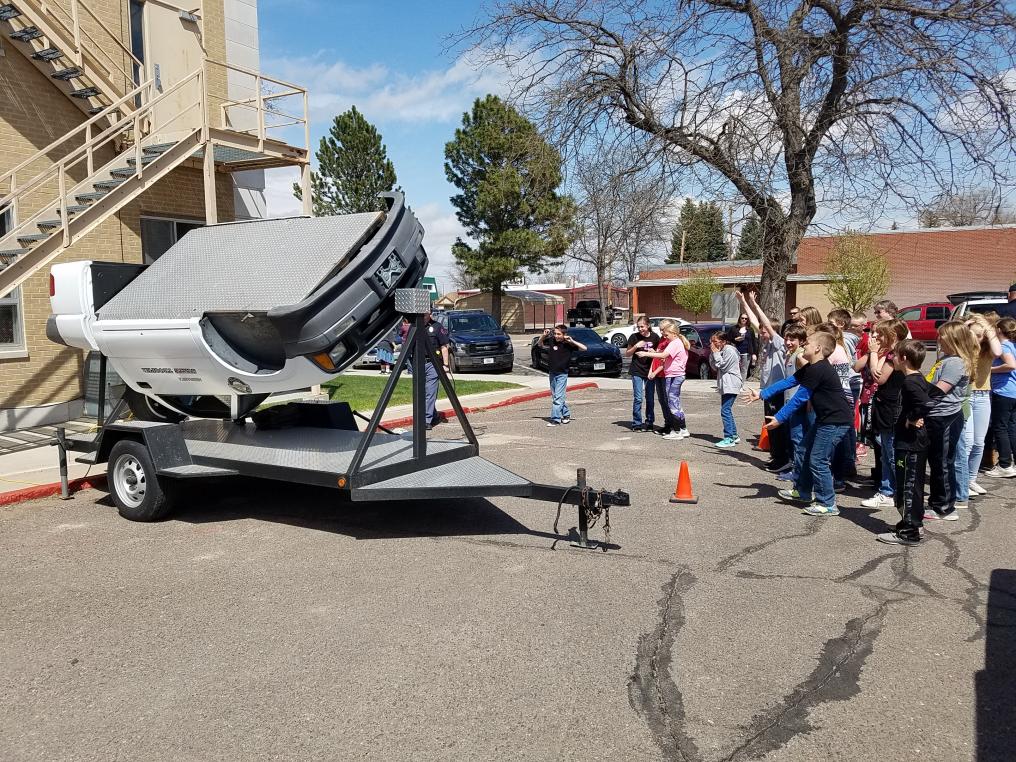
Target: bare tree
[
  {"x": 460, "y": 277},
  {"x": 980, "y": 206},
  {"x": 784, "y": 105}
]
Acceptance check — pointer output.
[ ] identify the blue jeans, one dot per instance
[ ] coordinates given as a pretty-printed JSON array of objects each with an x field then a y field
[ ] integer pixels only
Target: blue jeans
[
  {"x": 886, "y": 441},
  {"x": 643, "y": 390},
  {"x": 971, "y": 444},
  {"x": 798, "y": 427},
  {"x": 558, "y": 386},
  {"x": 816, "y": 475},
  {"x": 727, "y": 415}
]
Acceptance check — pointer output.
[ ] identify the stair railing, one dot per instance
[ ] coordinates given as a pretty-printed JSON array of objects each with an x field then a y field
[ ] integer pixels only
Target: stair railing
[
  {"x": 60, "y": 170},
  {"x": 68, "y": 28}
]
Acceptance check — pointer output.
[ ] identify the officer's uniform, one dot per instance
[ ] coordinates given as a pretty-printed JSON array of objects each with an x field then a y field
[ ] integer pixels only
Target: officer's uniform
[{"x": 437, "y": 337}]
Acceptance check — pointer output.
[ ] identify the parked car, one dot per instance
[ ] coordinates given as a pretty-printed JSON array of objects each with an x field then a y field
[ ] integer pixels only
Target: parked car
[
  {"x": 588, "y": 312},
  {"x": 619, "y": 336},
  {"x": 598, "y": 359},
  {"x": 699, "y": 335},
  {"x": 476, "y": 341},
  {"x": 369, "y": 358},
  {"x": 923, "y": 320},
  {"x": 977, "y": 301}
]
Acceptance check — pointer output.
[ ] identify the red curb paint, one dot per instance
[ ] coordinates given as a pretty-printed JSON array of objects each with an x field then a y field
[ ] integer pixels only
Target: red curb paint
[
  {"x": 48, "y": 490},
  {"x": 99, "y": 480},
  {"x": 516, "y": 400}
]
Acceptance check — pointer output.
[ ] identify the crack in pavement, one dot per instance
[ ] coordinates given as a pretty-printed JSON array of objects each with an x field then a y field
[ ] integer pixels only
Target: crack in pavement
[
  {"x": 652, "y": 691},
  {"x": 811, "y": 529},
  {"x": 973, "y": 602},
  {"x": 836, "y": 677}
]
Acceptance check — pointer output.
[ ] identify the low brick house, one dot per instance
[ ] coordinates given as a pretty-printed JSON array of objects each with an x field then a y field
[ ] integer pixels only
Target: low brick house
[{"x": 925, "y": 266}]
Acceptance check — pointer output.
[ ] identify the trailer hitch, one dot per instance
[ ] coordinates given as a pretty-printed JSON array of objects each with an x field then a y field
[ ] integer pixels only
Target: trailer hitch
[{"x": 591, "y": 504}]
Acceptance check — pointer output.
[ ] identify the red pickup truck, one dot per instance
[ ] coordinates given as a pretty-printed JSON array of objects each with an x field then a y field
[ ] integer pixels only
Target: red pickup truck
[{"x": 923, "y": 320}]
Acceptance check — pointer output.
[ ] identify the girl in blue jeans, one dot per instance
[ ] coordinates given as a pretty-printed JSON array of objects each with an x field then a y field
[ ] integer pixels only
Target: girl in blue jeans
[
  {"x": 978, "y": 420},
  {"x": 725, "y": 360}
]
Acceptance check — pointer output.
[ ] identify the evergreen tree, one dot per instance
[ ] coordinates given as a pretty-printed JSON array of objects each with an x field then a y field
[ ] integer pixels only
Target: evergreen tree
[
  {"x": 750, "y": 244},
  {"x": 353, "y": 168},
  {"x": 507, "y": 176},
  {"x": 684, "y": 223},
  {"x": 704, "y": 234}
]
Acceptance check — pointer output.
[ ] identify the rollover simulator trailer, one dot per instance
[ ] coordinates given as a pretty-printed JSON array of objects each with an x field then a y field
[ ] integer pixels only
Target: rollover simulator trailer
[{"x": 199, "y": 349}]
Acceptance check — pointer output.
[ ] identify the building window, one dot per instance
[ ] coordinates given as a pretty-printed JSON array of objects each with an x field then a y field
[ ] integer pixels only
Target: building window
[
  {"x": 12, "y": 335},
  {"x": 158, "y": 234}
]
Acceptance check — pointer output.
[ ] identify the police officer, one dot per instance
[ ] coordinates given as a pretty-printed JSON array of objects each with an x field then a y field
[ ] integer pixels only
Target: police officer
[{"x": 437, "y": 346}]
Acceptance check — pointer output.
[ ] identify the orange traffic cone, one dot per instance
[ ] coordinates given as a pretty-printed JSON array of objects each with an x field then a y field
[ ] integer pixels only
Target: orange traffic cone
[
  {"x": 763, "y": 440},
  {"x": 682, "y": 494}
]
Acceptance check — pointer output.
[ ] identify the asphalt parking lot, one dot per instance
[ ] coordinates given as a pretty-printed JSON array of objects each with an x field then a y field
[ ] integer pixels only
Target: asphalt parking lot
[{"x": 263, "y": 620}]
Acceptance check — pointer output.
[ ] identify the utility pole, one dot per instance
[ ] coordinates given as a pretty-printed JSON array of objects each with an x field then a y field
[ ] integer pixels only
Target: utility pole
[{"x": 684, "y": 234}]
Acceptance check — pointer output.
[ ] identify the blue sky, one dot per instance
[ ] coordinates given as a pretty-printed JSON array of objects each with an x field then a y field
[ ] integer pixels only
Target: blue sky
[{"x": 388, "y": 59}]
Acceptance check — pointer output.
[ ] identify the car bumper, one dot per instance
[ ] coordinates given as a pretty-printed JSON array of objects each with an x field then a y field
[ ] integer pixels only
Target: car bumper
[
  {"x": 612, "y": 367},
  {"x": 479, "y": 362}
]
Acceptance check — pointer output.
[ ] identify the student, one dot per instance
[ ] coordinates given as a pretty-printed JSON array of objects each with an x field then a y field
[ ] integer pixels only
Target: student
[
  {"x": 797, "y": 425},
  {"x": 885, "y": 407},
  {"x": 844, "y": 459},
  {"x": 1003, "y": 400},
  {"x": 560, "y": 347},
  {"x": 958, "y": 358},
  {"x": 642, "y": 386},
  {"x": 772, "y": 368},
  {"x": 833, "y": 418},
  {"x": 975, "y": 428},
  {"x": 725, "y": 361},
  {"x": 675, "y": 360},
  {"x": 810, "y": 318},
  {"x": 911, "y": 444},
  {"x": 744, "y": 342}
]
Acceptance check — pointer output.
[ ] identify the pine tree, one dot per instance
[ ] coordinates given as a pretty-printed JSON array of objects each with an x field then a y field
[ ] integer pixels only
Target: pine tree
[
  {"x": 684, "y": 224},
  {"x": 750, "y": 244},
  {"x": 353, "y": 168},
  {"x": 507, "y": 176}
]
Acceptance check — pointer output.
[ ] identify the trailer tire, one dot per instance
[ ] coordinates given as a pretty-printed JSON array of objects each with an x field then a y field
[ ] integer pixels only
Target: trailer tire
[
  {"x": 134, "y": 484},
  {"x": 144, "y": 408}
]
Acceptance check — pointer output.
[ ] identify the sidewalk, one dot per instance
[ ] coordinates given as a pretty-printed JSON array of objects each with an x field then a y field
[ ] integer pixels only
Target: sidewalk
[{"x": 39, "y": 467}]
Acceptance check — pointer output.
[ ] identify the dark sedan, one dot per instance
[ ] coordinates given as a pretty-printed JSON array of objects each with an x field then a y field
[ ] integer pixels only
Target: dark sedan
[
  {"x": 699, "y": 335},
  {"x": 598, "y": 359}
]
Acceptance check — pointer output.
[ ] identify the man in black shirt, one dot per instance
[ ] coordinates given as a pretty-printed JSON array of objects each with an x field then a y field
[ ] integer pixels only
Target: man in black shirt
[
  {"x": 643, "y": 387},
  {"x": 437, "y": 346},
  {"x": 559, "y": 352},
  {"x": 911, "y": 444},
  {"x": 1009, "y": 310}
]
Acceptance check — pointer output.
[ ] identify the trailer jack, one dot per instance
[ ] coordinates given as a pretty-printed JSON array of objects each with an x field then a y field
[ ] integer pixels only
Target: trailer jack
[{"x": 591, "y": 504}]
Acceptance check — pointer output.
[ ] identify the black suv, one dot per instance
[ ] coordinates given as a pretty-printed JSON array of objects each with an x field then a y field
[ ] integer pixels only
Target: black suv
[{"x": 476, "y": 341}]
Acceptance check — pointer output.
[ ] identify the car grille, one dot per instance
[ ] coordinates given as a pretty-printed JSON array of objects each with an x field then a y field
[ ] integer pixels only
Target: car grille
[{"x": 485, "y": 349}]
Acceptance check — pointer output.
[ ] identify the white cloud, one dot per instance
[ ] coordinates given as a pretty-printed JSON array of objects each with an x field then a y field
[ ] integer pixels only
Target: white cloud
[{"x": 438, "y": 95}]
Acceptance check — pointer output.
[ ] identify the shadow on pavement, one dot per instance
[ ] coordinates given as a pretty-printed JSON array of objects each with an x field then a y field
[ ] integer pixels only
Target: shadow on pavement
[
  {"x": 995, "y": 685},
  {"x": 325, "y": 510}
]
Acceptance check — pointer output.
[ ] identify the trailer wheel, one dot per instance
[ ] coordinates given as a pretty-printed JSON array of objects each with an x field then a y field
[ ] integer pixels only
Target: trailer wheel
[
  {"x": 134, "y": 484},
  {"x": 144, "y": 408}
]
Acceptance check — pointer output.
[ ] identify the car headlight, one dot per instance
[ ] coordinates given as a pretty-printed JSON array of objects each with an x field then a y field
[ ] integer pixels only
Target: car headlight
[{"x": 458, "y": 349}]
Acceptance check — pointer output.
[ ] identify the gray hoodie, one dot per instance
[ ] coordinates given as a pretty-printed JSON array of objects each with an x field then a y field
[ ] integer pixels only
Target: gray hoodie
[{"x": 727, "y": 364}]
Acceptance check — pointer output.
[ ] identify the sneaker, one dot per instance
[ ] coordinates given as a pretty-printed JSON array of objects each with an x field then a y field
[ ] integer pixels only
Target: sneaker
[
  {"x": 793, "y": 496},
  {"x": 553, "y": 423},
  {"x": 878, "y": 502},
  {"x": 977, "y": 489},
  {"x": 894, "y": 538},
  {"x": 726, "y": 442},
  {"x": 821, "y": 510},
  {"x": 930, "y": 515},
  {"x": 788, "y": 466},
  {"x": 775, "y": 468},
  {"x": 637, "y": 427},
  {"x": 953, "y": 515},
  {"x": 673, "y": 435},
  {"x": 737, "y": 440},
  {"x": 787, "y": 476},
  {"x": 684, "y": 433},
  {"x": 566, "y": 420},
  {"x": 649, "y": 428},
  {"x": 959, "y": 506},
  {"x": 1001, "y": 473}
]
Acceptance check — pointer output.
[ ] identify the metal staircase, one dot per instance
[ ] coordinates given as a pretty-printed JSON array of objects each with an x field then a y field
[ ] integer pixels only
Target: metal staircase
[
  {"x": 86, "y": 194},
  {"x": 76, "y": 56}
]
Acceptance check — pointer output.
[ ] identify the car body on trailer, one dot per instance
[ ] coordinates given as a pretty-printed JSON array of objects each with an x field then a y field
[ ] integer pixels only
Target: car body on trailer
[
  {"x": 598, "y": 359},
  {"x": 476, "y": 341},
  {"x": 619, "y": 336},
  {"x": 223, "y": 319},
  {"x": 923, "y": 320}
]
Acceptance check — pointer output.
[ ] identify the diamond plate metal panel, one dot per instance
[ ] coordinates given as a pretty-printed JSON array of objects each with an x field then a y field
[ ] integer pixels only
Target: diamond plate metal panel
[
  {"x": 471, "y": 472},
  {"x": 243, "y": 267},
  {"x": 412, "y": 301}
]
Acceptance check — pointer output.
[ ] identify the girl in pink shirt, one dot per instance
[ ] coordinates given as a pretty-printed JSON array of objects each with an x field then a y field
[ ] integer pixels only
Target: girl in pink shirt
[{"x": 675, "y": 361}]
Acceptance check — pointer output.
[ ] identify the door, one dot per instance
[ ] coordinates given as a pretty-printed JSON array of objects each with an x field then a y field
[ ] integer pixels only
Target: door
[
  {"x": 172, "y": 51},
  {"x": 920, "y": 327}
]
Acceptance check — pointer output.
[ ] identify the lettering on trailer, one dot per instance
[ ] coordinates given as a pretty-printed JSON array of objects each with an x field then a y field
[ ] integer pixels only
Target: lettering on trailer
[{"x": 178, "y": 371}]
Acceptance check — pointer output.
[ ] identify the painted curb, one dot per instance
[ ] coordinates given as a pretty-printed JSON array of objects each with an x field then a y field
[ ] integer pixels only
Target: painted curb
[
  {"x": 37, "y": 491},
  {"x": 518, "y": 399},
  {"x": 99, "y": 480}
]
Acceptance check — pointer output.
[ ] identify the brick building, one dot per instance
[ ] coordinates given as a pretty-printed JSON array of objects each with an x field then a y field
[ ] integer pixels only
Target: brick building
[
  {"x": 123, "y": 124},
  {"x": 924, "y": 265}
]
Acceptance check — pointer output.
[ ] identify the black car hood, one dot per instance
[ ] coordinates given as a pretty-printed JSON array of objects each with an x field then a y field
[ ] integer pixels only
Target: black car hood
[{"x": 599, "y": 351}]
